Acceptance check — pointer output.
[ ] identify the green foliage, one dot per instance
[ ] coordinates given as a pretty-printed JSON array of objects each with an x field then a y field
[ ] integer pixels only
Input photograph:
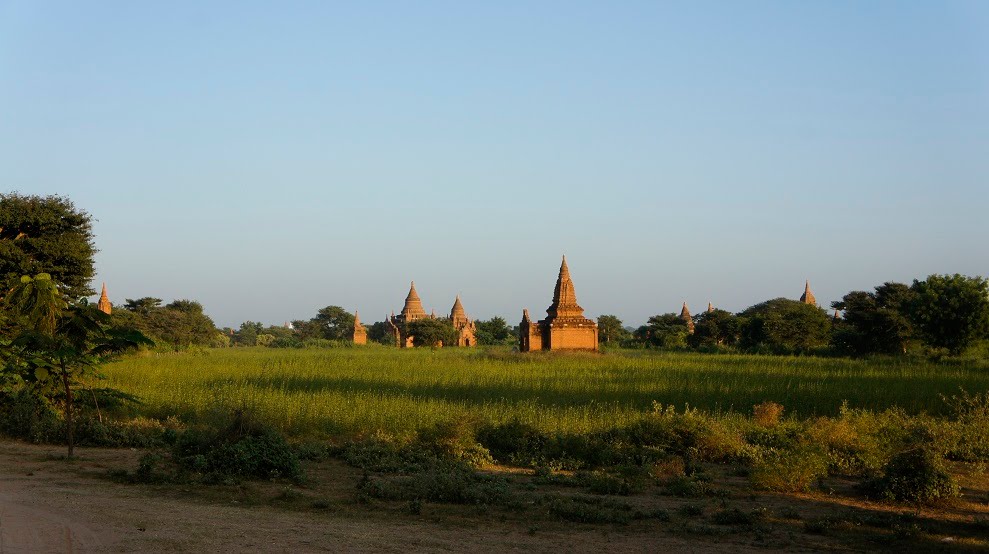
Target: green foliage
[
  {"x": 874, "y": 322},
  {"x": 58, "y": 343},
  {"x": 611, "y": 331},
  {"x": 330, "y": 323},
  {"x": 431, "y": 332},
  {"x": 181, "y": 323},
  {"x": 951, "y": 311},
  {"x": 243, "y": 449},
  {"x": 494, "y": 331},
  {"x": 667, "y": 331},
  {"x": 789, "y": 470},
  {"x": 46, "y": 234},
  {"x": 716, "y": 328},
  {"x": 916, "y": 475},
  {"x": 589, "y": 509},
  {"x": 784, "y": 326}
]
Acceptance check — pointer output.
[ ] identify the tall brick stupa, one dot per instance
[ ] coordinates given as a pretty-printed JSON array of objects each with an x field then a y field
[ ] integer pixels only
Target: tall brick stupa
[{"x": 565, "y": 327}]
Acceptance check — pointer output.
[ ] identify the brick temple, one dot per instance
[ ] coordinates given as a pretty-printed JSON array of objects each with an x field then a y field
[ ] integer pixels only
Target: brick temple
[
  {"x": 413, "y": 310},
  {"x": 565, "y": 327}
]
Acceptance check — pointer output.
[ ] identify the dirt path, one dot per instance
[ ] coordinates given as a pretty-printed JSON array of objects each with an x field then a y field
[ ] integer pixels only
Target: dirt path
[{"x": 50, "y": 505}]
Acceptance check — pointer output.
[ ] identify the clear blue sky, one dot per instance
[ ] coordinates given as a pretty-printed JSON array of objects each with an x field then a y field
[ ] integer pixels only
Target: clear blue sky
[{"x": 272, "y": 158}]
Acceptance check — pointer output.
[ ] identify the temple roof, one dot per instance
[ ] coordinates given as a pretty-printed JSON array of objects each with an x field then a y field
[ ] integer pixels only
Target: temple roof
[
  {"x": 710, "y": 307},
  {"x": 684, "y": 312},
  {"x": 564, "y": 298},
  {"x": 808, "y": 297},
  {"x": 458, "y": 309},
  {"x": 104, "y": 304},
  {"x": 413, "y": 305}
]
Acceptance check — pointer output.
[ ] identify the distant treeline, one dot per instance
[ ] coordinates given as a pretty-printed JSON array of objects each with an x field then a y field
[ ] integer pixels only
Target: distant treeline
[{"x": 941, "y": 315}]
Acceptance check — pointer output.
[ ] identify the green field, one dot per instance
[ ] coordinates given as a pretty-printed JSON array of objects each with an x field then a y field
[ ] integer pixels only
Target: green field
[{"x": 332, "y": 392}]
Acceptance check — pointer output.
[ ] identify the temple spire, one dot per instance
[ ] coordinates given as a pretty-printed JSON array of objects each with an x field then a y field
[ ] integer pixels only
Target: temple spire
[
  {"x": 413, "y": 305},
  {"x": 564, "y": 297},
  {"x": 104, "y": 304},
  {"x": 685, "y": 316},
  {"x": 808, "y": 297},
  {"x": 710, "y": 307}
]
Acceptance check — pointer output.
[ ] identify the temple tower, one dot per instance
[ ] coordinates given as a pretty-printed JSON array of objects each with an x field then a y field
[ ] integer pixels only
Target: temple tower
[
  {"x": 565, "y": 327},
  {"x": 413, "y": 309},
  {"x": 104, "y": 304},
  {"x": 360, "y": 332},
  {"x": 685, "y": 316},
  {"x": 808, "y": 297},
  {"x": 463, "y": 324},
  {"x": 710, "y": 307}
]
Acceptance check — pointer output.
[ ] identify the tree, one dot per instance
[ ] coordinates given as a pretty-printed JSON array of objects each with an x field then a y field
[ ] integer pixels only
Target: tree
[
  {"x": 494, "y": 331},
  {"x": 715, "y": 328},
  {"x": 664, "y": 331},
  {"x": 951, "y": 311},
  {"x": 331, "y": 322},
  {"x": 248, "y": 333},
  {"x": 143, "y": 306},
  {"x": 60, "y": 342},
  {"x": 431, "y": 332},
  {"x": 874, "y": 322},
  {"x": 610, "y": 330},
  {"x": 784, "y": 325},
  {"x": 45, "y": 235},
  {"x": 181, "y": 323}
]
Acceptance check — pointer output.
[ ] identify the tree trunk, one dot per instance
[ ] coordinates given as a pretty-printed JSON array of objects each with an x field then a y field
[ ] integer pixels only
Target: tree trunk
[{"x": 68, "y": 410}]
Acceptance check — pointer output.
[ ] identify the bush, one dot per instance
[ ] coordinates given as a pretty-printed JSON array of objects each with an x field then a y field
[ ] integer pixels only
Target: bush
[
  {"x": 241, "y": 450},
  {"x": 915, "y": 475},
  {"x": 767, "y": 414},
  {"x": 513, "y": 442},
  {"x": 789, "y": 470}
]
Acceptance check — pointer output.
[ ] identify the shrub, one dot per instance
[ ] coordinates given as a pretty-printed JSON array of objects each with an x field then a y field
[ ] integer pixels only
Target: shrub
[
  {"x": 915, "y": 475},
  {"x": 789, "y": 470},
  {"x": 582, "y": 509},
  {"x": 767, "y": 414},
  {"x": 242, "y": 449},
  {"x": 513, "y": 442}
]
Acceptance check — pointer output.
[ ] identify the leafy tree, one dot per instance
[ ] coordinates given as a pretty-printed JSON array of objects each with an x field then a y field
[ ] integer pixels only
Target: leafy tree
[
  {"x": 951, "y": 311},
  {"x": 331, "y": 322},
  {"x": 784, "y": 325},
  {"x": 874, "y": 322},
  {"x": 49, "y": 235},
  {"x": 181, "y": 323},
  {"x": 430, "y": 332},
  {"x": 610, "y": 330},
  {"x": 494, "y": 331},
  {"x": 381, "y": 333},
  {"x": 59, "y": 342},
  {"x": 664, "y": 331},
  {"x": 714, "y": 328},
  {"x": 143, "y": 306},
  {"x": 248, "y": 333}
]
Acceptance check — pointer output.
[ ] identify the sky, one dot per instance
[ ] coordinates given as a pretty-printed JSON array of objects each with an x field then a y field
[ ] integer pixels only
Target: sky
[{"x": 271, "y": 158}]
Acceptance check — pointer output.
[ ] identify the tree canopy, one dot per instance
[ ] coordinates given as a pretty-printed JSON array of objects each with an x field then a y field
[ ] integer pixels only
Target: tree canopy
[
  {"x": 46, "y": 235},
  {"x": 785, "y": 326},
  {"x": 951, "y": 311},
  {"x": 430, "y": 332},
  {"x": 874, "y": 322}
]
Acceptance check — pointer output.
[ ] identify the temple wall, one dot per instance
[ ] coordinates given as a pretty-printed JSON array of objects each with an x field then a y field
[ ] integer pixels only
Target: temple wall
[{"x": 566, "y": 337}]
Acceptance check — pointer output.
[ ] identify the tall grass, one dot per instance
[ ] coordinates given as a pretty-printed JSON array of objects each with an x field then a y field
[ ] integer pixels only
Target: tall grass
[{"x": 332, "y": 392}]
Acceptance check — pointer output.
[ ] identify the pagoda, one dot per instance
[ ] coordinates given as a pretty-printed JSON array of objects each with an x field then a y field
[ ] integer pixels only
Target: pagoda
[
  {"x": 565, "y": 327},
  {"x": 104, "y": 304},
  {"x": 685, "y": 316},
  {"x": 360, "y": 332},
  {"x": 808, "y": 297}
]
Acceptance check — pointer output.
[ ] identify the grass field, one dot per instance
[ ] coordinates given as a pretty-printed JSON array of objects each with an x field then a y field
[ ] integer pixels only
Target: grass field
[{"x": 333, "y": 392}]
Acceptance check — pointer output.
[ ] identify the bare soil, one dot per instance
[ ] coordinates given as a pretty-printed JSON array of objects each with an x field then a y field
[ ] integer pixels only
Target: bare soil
[{"x": 49, "y": 504}]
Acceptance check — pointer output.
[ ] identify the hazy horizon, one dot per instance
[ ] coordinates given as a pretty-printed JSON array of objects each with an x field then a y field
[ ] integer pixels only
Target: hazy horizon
[{"x": 270, "y": 160}]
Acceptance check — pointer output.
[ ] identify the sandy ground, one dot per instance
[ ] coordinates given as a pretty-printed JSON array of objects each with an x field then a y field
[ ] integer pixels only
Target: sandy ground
[{"x": 50, "y": 505}]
